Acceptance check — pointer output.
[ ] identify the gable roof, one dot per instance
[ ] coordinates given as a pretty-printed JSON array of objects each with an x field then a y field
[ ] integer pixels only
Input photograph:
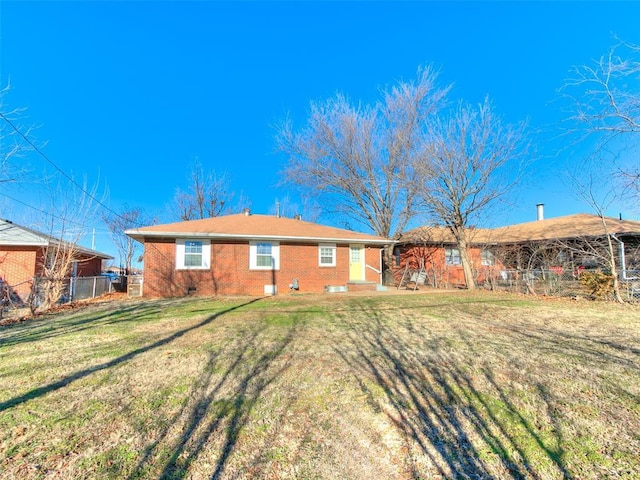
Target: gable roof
[
  {"x": 579, "y": 225},
  {"x": 255, "y": 227},
  {"x": 12, "y": 234}
]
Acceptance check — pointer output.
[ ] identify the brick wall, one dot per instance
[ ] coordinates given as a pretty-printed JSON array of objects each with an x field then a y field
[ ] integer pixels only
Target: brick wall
[
  {"x": 434, "y": 262},
  {"x": 89, "y": 267},
  {"x": 230, "y": 273},
  {"x": 17, "y": 268},
  {"x": 19, "y": 264}
]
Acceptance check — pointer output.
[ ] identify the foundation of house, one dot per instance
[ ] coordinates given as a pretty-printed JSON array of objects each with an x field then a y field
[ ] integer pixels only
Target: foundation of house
[{"x": 356, "y": 286}]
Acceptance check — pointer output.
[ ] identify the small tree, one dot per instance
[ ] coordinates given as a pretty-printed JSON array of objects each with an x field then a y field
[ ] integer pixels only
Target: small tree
[
  {"x": 117, "y": 223},
  {"x": 473, "y": 160},
  {"x": 69, "y": 213}
]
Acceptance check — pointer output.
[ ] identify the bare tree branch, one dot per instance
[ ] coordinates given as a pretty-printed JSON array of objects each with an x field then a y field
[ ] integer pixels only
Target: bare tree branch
[
  {"x": 473, "y": 161},
  {"x": 358, "y": 159},
  {"x": 207, "y": 195},
  {"x": 605, "y": 107}
]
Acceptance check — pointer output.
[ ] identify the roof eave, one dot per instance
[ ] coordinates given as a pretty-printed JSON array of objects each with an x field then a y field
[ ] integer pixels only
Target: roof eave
[{"x": 141, "y": 235}]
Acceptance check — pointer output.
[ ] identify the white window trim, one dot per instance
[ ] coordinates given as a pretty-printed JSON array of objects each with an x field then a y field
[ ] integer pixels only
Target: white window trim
[
  {"x": 487, "y": 258},
  {"x": 253, "y": 255},
  {"x": 448, "y": 257},
  {"x": 206, "y": 254},
  {"x": 333, "y": 247}
]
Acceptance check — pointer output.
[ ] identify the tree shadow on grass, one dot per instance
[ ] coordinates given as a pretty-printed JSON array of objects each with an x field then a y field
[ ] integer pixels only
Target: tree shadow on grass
[
  {"x": 43, "y": 390},
  {"x": 451, "y": 427},
  {"x": 219, "y": 404},
  {"x": 43, "y": 328}
]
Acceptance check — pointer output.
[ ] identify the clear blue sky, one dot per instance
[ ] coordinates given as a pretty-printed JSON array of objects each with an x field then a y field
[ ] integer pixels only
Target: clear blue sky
[{"x": 128, "y": 94}]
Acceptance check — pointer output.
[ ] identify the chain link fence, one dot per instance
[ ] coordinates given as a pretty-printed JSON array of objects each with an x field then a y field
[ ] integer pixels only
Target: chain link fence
[{"x": 555, "y": 282}]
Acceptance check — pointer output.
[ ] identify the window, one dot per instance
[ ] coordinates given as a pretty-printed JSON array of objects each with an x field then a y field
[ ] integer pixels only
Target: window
[
  {"x": 451, "y": 256},
  {"x": 327, "y": 255},
  {"x": 487, "y": 258},
  {"x": 193, "y": 254},
  {"x": 264, "y": 256},
  {"x": 397, "y": 256}
]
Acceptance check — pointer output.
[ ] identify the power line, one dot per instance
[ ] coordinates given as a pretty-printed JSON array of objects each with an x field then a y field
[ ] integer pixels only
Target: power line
[
  {"x": 48, "y": 213},
  {"x": 64, "y": 174}
]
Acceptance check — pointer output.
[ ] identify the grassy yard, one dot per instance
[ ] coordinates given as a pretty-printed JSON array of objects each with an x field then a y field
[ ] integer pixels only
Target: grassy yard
[{"x": 425, "y": 385}]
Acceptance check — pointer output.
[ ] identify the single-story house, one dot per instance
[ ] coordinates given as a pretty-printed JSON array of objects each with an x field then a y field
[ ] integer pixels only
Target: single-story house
[
  {"x": 248, "y": 254},
  {"x": 24, "y": 251},
  {"x": 567, "y": 243}
]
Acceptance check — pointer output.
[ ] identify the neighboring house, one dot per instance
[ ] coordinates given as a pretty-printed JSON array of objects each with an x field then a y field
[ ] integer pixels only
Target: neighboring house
[
  {"x": 248, "y": 254},
  {"x": 23, "y": 253},
  {"x": 568, "y": 243}
]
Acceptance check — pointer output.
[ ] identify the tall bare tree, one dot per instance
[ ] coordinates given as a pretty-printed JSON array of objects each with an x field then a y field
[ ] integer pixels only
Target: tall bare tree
[
  {"x": 207, "y": 195},
  {"x": 357, "y": 160},
  {"x": 605, "y": 106},
  {"x": 473, "y": 161}
]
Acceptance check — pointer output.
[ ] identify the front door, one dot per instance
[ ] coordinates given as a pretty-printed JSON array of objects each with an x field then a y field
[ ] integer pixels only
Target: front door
[{"x": 356, "y": 262}]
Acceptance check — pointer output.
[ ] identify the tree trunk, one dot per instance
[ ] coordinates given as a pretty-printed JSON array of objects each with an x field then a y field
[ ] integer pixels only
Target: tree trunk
[
  {"x": 614, "y": 271},
  {"x": 465, "y": 260}
]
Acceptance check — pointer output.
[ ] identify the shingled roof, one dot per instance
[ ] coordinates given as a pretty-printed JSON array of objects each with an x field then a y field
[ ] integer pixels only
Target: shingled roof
[
  {"x": 254, "y": 227},
  {"x": 17, "y": 235},
  {"x": 579, "y": 225}
]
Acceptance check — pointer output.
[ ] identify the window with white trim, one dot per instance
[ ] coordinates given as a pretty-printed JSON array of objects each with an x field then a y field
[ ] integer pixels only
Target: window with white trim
[
  {"x": 487, "y": 258},
  {"x": 451, "y": 256},
  {"x": 264, "y": 256},
  {"x": 193, "y": 254},
  {"x": 327, "y": 255}
]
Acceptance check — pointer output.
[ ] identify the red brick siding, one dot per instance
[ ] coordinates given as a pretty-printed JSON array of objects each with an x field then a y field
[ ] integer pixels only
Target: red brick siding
[
  {"x": 230, "y": 273},
  {"x": 17, "y": 268},
  {"x": 19, "y": 264},
  {"x": 434, "y": 262},
  {"x": 89, "y": 267}
]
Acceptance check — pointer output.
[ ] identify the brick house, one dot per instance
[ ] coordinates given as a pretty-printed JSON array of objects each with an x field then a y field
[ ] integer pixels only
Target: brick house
[
  {"x": 247, "y": 254},
  {"x": 568, "y": 243},
  {"x": 23, "y": 252}
]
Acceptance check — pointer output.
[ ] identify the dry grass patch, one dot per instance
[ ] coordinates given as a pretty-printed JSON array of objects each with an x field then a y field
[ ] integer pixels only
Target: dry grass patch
[{"x": 355, "y": 387}]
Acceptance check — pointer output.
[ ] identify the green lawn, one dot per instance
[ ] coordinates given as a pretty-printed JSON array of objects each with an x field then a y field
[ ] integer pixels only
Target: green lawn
[{"x": 419, "y": 385}]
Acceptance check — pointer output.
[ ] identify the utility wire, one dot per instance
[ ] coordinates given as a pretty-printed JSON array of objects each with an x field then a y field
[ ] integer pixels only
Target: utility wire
[
  {"x": 48, "y": 213},
  {"x": 64, "y": 174}
]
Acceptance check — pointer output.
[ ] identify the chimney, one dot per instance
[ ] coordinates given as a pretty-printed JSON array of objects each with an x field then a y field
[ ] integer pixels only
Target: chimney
[
  {"x": 247, "y": 212},
  {"x": 540, "y": 210}
]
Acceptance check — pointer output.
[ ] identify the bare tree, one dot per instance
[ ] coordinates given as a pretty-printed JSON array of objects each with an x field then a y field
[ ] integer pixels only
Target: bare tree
[
  {"x": 12, "y": 140},
  {"x": 473, "y": 161},
  {"x": 605, "y": 105},
  {"x": 208, "y": 195},
  {"x": 117, "y": 223},
  {"x": 357, "y": 160},
  {"x": 588, "y": 185}
]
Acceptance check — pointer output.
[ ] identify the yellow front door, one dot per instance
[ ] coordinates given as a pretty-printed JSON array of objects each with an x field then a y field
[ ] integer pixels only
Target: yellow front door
[{"x": 356, "y": 262}]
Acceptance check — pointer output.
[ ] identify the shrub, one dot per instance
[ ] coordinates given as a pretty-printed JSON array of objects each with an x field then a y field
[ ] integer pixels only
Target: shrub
[{"x": 599, "y": 284}]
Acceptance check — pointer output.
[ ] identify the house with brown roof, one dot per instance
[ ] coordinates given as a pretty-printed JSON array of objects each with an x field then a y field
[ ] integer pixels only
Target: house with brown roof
[
  {"x": 24, "y": 251},
  {"x": 563, "y": 244},
  {"x": 248, "y": 254}
]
